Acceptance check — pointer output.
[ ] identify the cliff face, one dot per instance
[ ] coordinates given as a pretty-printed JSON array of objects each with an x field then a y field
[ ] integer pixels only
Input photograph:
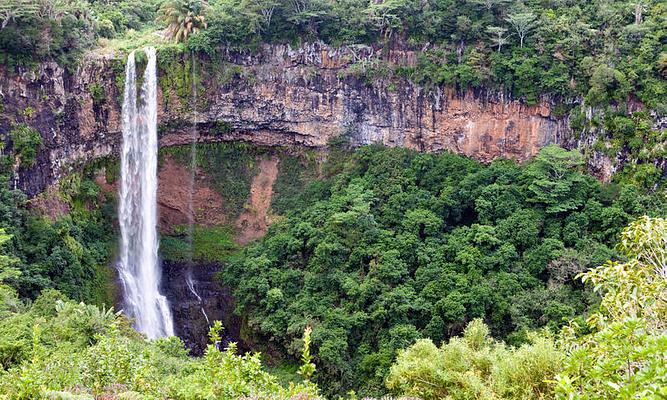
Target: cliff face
[
  {"x": 278, "y": 96},
  {"x": 197, "y": 299}
]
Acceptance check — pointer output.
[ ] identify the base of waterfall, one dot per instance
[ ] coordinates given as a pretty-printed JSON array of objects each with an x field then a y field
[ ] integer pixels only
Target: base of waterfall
[{"x": 190, "y": 324}]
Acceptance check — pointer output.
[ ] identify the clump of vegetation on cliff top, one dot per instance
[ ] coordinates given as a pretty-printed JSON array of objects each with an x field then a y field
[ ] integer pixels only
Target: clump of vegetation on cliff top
[{"x": 25, "y": 143}]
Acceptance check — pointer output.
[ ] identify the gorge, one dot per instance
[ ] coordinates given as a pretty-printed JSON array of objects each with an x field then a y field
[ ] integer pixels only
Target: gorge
[
  {"x": 293, "y": 98},
  {"x": 333, "y": 199}
]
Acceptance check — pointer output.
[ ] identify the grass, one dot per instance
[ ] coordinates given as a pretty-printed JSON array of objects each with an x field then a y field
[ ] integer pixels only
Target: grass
[
  {"x": 229, "y": 167},
  {"x": 133, "y": 40},
  {"x": 209, "y": 243},
  {"x": 295, "y": 173}
]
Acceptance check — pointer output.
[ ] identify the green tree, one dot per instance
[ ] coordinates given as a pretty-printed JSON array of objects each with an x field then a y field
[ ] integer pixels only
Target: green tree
[
  {"x": 7, "y": 271},
  {"x": 182, "y": 18},
  {"x": 523, "y": 23},
  {"x": 307, "y": 14},
  {"x": 497, "y": 35},
  {"x": 387, "y": 16},
  {"x": 555, "y": 181},
  {"x": 625, "y": 354},
  {"x": 607, "y": 84},
  {"x": 25, "y": 141}
]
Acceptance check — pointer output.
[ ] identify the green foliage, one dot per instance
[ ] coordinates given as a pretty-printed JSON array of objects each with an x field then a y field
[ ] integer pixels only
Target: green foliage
[
  {"x": 117, "y": 17},
  {"x": 307, "y": 368},
  {"x": 6, "y": 262},
  {"x": 179, "y": 76},
  {"x": 291, "y": 185},
  {"x": 70, "y": 252},
  {"x": 209, "y": 243},
  {"x": 32, "y": 31},
  {"x": 623, "y": 356},
  {"x": 59, "y": 349},
  {"x": 98, "y": 94},
  {"x": 182, "y": 18},
  {"x": 475, "y": 366},
  {"x": 394, "y": 246},
  {"x": 607, "y": 84},
  {"x": 228, "y": 166},
  {"x": 553, "y": 183},
  {"x": 25, "y": 143}
]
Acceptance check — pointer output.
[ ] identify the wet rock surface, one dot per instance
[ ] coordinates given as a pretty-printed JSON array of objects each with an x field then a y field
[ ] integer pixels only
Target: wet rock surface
[{"x": 216, "y": 301}]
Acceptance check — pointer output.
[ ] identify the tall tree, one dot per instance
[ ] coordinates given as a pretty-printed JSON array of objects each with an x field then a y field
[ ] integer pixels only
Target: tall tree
[
  {"x": 182, "y": 18},
  {"x": 522, "y": 23},
  {"x": 264, "y": 8},
  {"x": 639, "y": 7},
  {"x": 555, "y": 180},
  {"x": 386, "y": 15},
  {"x": 497, "y": 35},
  {"x": 307, "y": 14}
]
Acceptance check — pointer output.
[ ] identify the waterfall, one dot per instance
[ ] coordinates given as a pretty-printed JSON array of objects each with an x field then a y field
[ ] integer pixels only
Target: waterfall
[
  {"x": 139, "y": 269},
  {"x": 193, "y": 169},
  {"x": 191, "y": 286}
]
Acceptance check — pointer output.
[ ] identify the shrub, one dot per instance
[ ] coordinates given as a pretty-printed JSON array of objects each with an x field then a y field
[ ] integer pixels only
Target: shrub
[
  {"x": 25, "y": 141},
  {"x": 476, "y": 366}
]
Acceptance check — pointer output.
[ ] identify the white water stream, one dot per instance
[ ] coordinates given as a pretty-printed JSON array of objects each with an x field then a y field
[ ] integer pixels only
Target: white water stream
[
  {"x": 194, "y": 134},
  {"x": 139, "y": 268}
]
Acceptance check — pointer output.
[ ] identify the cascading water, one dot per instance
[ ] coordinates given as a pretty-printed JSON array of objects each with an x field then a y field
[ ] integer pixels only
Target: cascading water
[
  {"x": 191, "y": 212},
  {"x": 191, "y": 287},
  {"x": 139, "y": 269}
]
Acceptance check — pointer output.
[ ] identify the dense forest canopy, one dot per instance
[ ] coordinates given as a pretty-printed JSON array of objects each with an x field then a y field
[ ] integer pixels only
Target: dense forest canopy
[{"x": 398, "y": 246}]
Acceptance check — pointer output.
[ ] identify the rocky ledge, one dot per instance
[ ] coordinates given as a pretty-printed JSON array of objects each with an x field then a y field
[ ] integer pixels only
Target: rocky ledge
[{"x": 278, "y": 96}]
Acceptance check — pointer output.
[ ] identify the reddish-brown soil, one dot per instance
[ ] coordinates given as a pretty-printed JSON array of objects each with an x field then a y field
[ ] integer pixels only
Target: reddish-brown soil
[
  {"x": 255, "y": 218},
  {"x": 174, "y": 194}
]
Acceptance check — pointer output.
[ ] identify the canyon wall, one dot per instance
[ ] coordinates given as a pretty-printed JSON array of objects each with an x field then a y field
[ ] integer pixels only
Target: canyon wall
[{"x": 278, "y": 96}]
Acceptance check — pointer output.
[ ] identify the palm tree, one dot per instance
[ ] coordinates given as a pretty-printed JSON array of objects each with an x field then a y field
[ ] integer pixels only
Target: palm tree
[{"x": 182, "y": 17}]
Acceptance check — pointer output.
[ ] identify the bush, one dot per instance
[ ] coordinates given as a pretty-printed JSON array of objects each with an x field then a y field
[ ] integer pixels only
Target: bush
[
  {"x": 77, "y": 351},
  {"x": 476, "y": 367},
  {"x": 621, "y": 351},
  {"x": 25, "y": 141}
]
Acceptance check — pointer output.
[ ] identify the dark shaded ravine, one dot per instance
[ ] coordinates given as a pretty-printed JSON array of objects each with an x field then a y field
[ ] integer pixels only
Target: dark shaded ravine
[{"x": 189, "y": 321}]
